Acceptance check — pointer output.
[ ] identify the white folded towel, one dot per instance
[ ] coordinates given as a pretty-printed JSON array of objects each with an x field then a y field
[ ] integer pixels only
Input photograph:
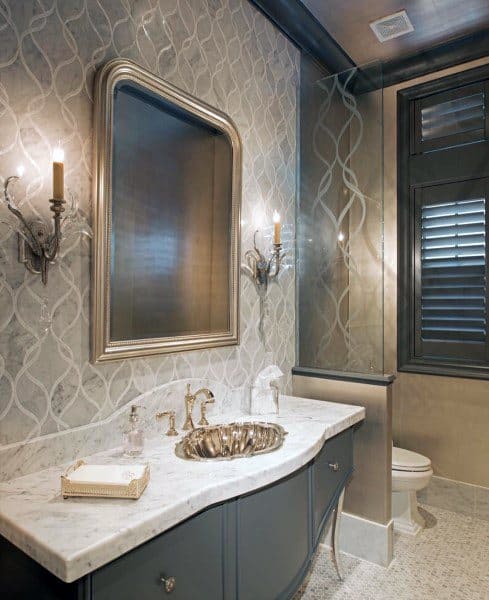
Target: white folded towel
[{"x": 108, "y": 474}]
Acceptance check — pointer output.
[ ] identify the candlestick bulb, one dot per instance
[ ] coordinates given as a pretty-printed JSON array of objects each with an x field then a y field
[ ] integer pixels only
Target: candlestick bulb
[
  {"x": 58, "y": 154},
  {"x": 276, "y": 228},
  {"x": 58, "y": 173},
  {"x": 20, "y": 171}
]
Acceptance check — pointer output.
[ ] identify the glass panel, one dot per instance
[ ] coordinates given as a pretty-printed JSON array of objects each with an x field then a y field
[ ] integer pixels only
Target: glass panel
[{"x": 340, "y": 225}]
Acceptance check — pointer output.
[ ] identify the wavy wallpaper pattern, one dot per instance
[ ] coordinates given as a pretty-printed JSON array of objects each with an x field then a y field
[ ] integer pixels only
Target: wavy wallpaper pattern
[
  {"x": 222, "y": 51},
  {"x": 340, "y": 237}
]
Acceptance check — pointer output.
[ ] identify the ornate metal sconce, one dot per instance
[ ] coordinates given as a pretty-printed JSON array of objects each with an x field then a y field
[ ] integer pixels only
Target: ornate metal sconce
[
  {"x": 261, "y": 269},
  {"x": 38, "y": 246}
]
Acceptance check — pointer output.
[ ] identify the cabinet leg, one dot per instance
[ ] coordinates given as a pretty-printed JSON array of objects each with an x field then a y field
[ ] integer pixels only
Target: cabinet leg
[{"x": 335, "y": 534}]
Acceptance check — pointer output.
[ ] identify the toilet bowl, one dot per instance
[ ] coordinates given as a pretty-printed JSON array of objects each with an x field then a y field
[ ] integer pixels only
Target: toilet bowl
[{"x": 411, "y": 472}]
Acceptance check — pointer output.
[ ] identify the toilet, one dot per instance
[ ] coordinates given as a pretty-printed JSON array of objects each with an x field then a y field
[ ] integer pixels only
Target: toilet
[{"x": 411, "y": 472}]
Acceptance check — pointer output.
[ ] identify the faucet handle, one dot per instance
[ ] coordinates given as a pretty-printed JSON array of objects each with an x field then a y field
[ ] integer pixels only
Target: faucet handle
[
  {"x": 203, "y": 410},
  {"x": 171, "y": 421}
]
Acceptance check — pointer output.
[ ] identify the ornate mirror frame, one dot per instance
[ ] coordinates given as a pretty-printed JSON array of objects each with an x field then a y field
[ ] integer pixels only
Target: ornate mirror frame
[{"x": 102, "y": 347}]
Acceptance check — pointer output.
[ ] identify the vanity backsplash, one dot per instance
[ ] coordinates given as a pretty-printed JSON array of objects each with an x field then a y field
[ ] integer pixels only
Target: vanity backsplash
[
  {"x": 228, "y": 55},
  {"x": 66, "y": 446}
]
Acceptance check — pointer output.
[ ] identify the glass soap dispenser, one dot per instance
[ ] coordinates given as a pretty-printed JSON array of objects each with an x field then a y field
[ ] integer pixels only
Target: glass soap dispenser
[{"x": 133, "y": 438}]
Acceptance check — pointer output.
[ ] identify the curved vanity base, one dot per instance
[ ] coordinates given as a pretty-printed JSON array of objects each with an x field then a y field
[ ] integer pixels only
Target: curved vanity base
[
  {"x": 258, "y": 546},
  {"x": 335, "y": 535}
]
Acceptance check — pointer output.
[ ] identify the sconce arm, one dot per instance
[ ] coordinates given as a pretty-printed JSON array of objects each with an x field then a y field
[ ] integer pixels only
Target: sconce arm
[
  {"x": 37, "y": 247},
  {"x": 275, "y": 262},
  {"x": 260, "y": 269},
  {"x": 53, "y": 245},
  {"x": 33, "y": 242}
]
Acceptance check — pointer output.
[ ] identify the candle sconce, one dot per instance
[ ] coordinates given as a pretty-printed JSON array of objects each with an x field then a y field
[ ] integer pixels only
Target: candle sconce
[
  {"x": 262, "y": 270},
  {"x": 39, "y": 245}
]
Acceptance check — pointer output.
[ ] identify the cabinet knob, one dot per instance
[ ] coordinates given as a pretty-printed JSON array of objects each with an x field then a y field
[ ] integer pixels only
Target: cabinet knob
[
  {"x": 169, "y": 583},
  {"x": 334, "y": 466}
]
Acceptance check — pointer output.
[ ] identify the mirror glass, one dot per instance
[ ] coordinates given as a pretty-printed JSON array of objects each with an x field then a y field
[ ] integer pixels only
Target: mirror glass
[{"x": 171, "y": 166}]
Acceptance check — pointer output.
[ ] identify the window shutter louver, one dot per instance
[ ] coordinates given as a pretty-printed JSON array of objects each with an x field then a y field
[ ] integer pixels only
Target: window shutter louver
[
  {"x": 450, "y": 119},
  {"x": 453, "y": 117},
  {"x": 453, "y": 271}
]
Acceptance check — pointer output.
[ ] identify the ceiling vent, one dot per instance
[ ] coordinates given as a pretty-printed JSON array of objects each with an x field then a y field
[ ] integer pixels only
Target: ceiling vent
[{"x": 392, "y": 26}]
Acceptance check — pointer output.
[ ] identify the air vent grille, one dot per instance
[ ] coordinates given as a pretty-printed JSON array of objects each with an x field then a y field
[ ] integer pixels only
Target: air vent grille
[{"x": 392, "y": 26}]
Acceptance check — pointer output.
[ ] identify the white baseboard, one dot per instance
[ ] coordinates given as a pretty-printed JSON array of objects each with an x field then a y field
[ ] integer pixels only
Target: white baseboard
[{"x": 364, "y": 539}]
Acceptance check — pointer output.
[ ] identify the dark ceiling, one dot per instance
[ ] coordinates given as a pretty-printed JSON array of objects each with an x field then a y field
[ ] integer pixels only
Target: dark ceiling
[{"x": 435, "y": 22}]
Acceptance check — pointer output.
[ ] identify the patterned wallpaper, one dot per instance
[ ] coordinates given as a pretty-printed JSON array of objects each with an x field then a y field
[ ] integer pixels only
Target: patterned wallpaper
[{"x": 222, "y": 51}]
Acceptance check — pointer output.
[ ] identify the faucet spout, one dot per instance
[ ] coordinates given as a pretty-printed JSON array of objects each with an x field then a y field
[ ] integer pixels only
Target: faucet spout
[
  {"x": 190, "y": 402},
  {"x": 207, "y": 393}
]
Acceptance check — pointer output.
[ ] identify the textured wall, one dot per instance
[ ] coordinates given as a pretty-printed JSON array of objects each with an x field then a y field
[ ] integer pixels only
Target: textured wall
[
  {"x": 444, "y": 418},
  {"x": 222, "y": 51}
]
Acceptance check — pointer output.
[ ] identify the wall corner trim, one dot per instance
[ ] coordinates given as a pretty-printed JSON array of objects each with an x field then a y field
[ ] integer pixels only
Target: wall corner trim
[
  {"x": 437, "y": 58},
  {"x": 302, "y": 27},
  {"x": 295, "y": 20}
]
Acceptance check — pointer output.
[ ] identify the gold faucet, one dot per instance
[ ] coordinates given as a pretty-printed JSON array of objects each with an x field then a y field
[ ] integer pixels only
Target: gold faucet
[{"x": 190, "y": 402}]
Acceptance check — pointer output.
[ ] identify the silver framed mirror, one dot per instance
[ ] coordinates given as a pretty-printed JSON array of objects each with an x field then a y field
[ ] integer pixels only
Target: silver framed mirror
[{"x": 166, "y": 218}]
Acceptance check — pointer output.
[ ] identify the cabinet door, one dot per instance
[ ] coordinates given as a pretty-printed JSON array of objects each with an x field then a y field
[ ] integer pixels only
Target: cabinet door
[
  {"x": 330, "y": 470},
  {"x": 273, "y": 538},
  {"x": 22, "y": 578},
  {"x": 191, "y": 553}
]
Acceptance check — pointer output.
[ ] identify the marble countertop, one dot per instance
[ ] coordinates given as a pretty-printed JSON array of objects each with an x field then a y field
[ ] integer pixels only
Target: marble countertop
[{"x": 75, "y": 536}]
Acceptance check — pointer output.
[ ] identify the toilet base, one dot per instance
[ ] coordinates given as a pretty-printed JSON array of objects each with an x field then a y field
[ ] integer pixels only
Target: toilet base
[{"x": 405, "y": 513}]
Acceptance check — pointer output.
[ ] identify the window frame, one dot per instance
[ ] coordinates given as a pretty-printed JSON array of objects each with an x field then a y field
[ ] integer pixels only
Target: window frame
[{"x": 412, "y": 158}]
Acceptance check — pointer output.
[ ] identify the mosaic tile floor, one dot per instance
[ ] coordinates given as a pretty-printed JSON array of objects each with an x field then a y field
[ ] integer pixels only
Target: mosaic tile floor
[{"x": 449, "y": 560}]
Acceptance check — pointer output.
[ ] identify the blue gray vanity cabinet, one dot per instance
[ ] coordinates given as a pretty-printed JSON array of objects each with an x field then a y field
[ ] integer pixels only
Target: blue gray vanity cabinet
[
  {"x": 21, "y": 578},
  {"x": 331, "y": 469},
  {"x": 190, "y": 553},
  {"x": 273, "y": 538},
  {"x": 254, "y": 547}
]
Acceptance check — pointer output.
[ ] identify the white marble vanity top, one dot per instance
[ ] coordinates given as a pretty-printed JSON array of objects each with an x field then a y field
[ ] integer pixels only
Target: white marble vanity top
[{"x": 73, "y": 537}]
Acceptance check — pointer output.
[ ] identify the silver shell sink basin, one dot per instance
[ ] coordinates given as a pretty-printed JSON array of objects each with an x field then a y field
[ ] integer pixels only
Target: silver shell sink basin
[{"x": 232, "y": 440}]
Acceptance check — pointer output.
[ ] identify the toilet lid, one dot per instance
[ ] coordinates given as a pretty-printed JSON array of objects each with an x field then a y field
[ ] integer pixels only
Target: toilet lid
[{"x": 405, "y": 460}]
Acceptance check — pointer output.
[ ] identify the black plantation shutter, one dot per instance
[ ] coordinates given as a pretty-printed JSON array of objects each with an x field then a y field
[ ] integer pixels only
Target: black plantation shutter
[
  {"x": 443, "y": 201},
  {"x": 453, "y": 271},
  {"x": 451, "y": 291}
]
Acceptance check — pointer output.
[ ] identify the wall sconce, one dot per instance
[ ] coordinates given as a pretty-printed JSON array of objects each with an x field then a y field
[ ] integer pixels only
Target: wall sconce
[
  {"x": 258, "y": 267},
  {"x": 38, "y": 244}
]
